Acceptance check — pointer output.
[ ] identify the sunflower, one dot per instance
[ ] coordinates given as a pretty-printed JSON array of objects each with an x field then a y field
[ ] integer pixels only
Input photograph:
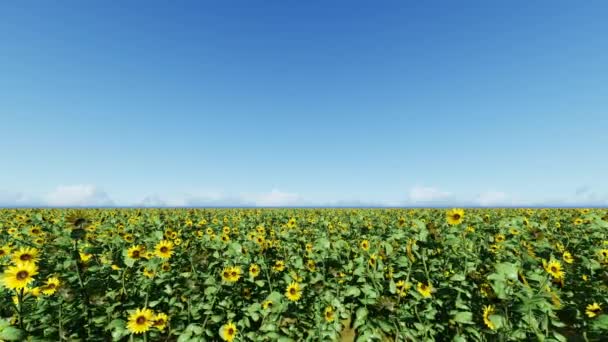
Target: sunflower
[
  {"x": 164, "y": 249},
  {"x": 254, "y": 270},
  {"x": 267, "y": 304},
  {"x": 85, "y": 257},
  {"x": 149, "y": 273},
  {"x": 329, "y": 314},
  {"x": 160, "y": 321},
  {"x": 231, "y": 274},
  {"x": 279, "y": 265},
  {"x": 372, "y": 260},
  {"x": 228, "y": 331},
  {"x": 51, "y": 286},
  {"x": 309, "y": 247},
  {"x": 424, "y": 289},
  {"x": 604, "y": 254},
  {"x": 554, "y": 268},
  {"x": 488, "y": 310},
  {"x": 5, "y": 251},
  {"x": 35, "y": 231},
  {"x": 225, "y": 238},
  {"x": 455, "y": 216},
  {"x": 140, "y": 321},
  {"x": 499, "y": 238},
  {"x": 293, "y": 292},
  {"x": 578, "y": 221},
  {"x": 568, "y": 257},
  {"x": 135, "y": 252},
  {"x": 20, "y": 275},
  {"x": 166, "y": 267},
  {"x": 25, "y": 254},
  {"x": 513, "y": 231},
  {"x": 402, "y": 288},
  {"x": 365, "y": 245},
  {"x": 593, "y": 310},
  {"x": 310, "y": 264}
]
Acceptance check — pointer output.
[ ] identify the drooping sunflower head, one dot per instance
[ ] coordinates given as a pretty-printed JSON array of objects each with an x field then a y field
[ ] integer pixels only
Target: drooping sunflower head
[
  {"x": 487, "y": 312},
  {"x": 310, "y": 264},
  {"x": 568, "y": 257},
  {"x": 140, "y": 321},
  {"x": 164, "y": 249},
  {"x": 293, "y": 292},
  {"x": 593, "y": 310},
  {"x": 19, "y": 275},
  {"x": 228, "y": 331},
  {"x": 455, "y": 216},
  {"x": 329, "y": 314}
]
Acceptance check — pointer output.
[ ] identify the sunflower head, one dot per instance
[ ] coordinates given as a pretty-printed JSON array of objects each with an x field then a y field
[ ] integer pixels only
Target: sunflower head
[
  {"x": 455, "y": 216},
  {"x": 254, "y": 270},
  {"x": 19, "y": 275},
  {"x": 293, "y": 292},
  {"x": 329, "y": 314},
  {"x": 425, "y": 289},
  {"x": 228, "y": 331},
  {"x": 25, "y": 254},
  {"x": 51, "y": 286},
  {"x": 160, "y": 321},
  {"x": 487, "y": 312},
  {"x": 593, "y": 310},
  {"x": 140, "y": 321},
  {"x": 164, "y": 249}
]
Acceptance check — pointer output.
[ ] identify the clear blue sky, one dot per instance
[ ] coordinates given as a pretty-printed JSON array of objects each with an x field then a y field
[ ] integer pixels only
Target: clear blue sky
[{"x": 304, "y": 101}]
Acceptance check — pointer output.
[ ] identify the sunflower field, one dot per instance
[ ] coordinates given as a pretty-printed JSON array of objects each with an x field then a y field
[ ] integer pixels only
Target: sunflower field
[{"x": 303, "y": 274}]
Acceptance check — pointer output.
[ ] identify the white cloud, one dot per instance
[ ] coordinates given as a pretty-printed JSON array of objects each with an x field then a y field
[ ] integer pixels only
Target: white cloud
[
  {"x": 420, "y": 194},
  {"x": 275, "y": 198},
  {"x": 492, "y": 198},
  {"x": 77, "y": 196}
]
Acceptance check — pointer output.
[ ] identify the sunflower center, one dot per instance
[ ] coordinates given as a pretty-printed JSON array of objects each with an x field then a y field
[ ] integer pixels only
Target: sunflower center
[
  {"x": 136, "y": 254},
  {"x": 141, "y": 320},
  {"x": 25, "y": 257},
  {"x": 22, "y": 275},
  {"x": 456, "y": 216},
  {"x": 553, "y": 269},
  {"x": 292, "y": 291},
  {"x": 164, "y": 249},
  {"x": 230, "y": 331}
]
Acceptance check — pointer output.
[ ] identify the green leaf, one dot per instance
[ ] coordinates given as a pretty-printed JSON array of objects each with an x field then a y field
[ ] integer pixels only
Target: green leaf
[
  {"x": 600, "y": 323},
  {"x": 11, "y": 334},
  {"x": 360, "y": 317},
  {"x": 464, "y": 317},
  {"x": 352, "y": 291}
]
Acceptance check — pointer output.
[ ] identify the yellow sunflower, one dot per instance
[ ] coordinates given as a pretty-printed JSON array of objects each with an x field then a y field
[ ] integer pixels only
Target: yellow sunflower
[
  {"x": 254, "y": 270},
  {"x": 293, "y": 292},
  {"x": 554, "y": 268},
  {"x": 234, "y": 274},
  {"x": 160, "y": 321},
  {"x": 424, "y": 289},
  {"x": 5, "y": 251},
  {"x": 402, "y": 288},
  {"x": 329, "y": 314},
  {"x": 25, "y": 254},
  {"x": 365, "y": 245},
  {"x": 593, "y": 310},
  {"x": 140, "y": 321},
  {"x": 164, "y": 249},
  {"x": 455, "y": 216},
  {"x": 228, "y": 331},
  {"x": 135, "y": 252},
  {"x": 487, "y": 311},
  {"x": 267, "y": 304},
  {"x": 51, "y": 286},
  {"x": 20, "y": 275},
  {"x": 568, "y": 257},
  {"x": 279, "y": 265}
]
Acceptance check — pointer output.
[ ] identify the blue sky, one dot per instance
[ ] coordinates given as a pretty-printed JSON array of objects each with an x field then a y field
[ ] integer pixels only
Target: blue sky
[{"x": 303, "y": 103}]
